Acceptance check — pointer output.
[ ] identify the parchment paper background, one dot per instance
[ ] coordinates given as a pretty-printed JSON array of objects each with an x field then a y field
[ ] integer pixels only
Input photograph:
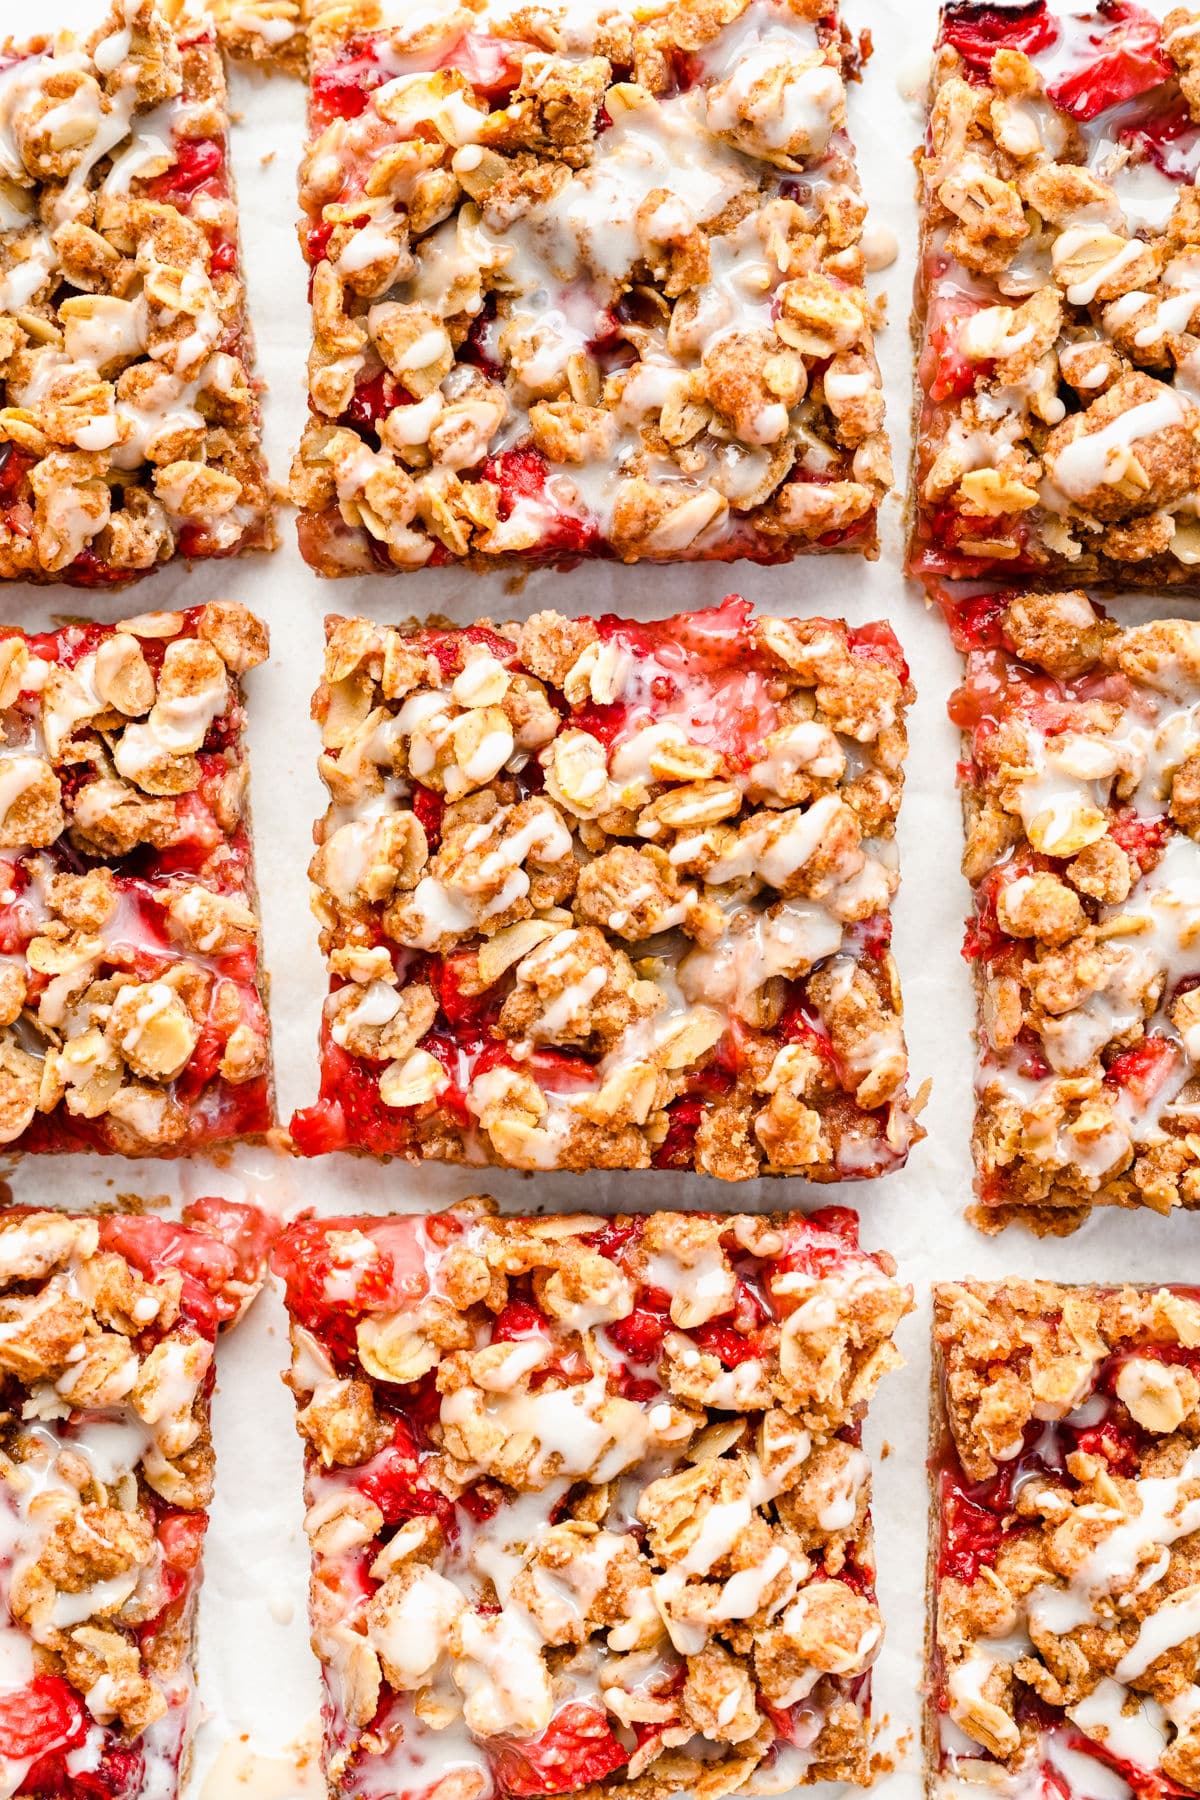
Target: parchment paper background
[{"x": 257, "y": 1676}]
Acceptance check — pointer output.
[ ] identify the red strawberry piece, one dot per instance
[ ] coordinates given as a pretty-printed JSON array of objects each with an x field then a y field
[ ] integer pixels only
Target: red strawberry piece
[
  {"x": 196, "y": 160},
  {"x": 1142, "y": 840},
  {"x": 971, "y": 1532},
  {"x": 1120, "y": 57},
  {"x": 519, "y": 1319},
  {"x": 15, "y": 464},
  {"x": 877, "y": 642},
  {"x": 726, "y": 1344},
  {"x": 491, "y": 64},
  {"x": 44, "y": 1716},
  {"x": 1143, "y": 1070},
  {"x": 978, "y": 31},
  {"x": 428, "y": 807},
  {"x": 342, "y": 87},
  {"x": 640, "y": 1336},
  {"x": 576, "y": 1749}
]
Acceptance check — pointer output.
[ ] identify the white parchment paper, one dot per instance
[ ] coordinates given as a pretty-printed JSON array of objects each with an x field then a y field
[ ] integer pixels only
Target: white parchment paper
[{"x": 258, "y": 1678}]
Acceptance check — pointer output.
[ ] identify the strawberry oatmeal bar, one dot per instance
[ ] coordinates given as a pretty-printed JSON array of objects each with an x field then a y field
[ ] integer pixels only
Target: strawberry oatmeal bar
[
  {"x": 602, "y": 894},
  {"x": 586, "y": 1499},
  {"x": 106, "y": 1468},
  {"x": 130, "y": 1018},
  {"x": 587, "y": 280},
  {"x": 1065, "y": 1639},
  {"x": 1058, "y": 429},
  {"x": 1081, "y": 797},
  {"x": 129, "y": 421}
]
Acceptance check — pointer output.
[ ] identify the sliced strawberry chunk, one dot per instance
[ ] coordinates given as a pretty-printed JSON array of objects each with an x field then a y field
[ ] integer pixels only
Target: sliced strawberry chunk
[
  {"x": 978, "y": 31},
  {"x": 576, "y": 1749},
  {"x": 1120, "y": 57},
  {"x": 1143, "y": 1070},
  {"x": 39, "y": 1718}
]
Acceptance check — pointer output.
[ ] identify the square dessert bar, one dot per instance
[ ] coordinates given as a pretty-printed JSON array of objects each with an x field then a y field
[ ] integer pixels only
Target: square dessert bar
[
  {"x": 130, "y": 1017},
  {"x": 587, "y": 280},
  {"x": 129, "y": 421},
  {"x": 602, "y": 894},
  {"x": 1081, "y": 797},
  {"x": 586, "y": 1498},
  {"x": 1065, "y": 1630},
  {"x": 1058, "y": 429},
  {"x": 106, "y": 1471}
]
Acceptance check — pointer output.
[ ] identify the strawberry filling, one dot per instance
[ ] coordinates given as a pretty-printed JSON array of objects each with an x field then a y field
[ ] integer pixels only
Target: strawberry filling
[
  {"x": 1120, "y": 55},
  {"x": 978, "y": 31},
  {"x": 576, "y": 1749}
]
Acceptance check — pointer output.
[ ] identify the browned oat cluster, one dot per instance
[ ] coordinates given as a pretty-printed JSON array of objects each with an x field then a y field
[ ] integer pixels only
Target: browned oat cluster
[
  {"x": 129, "y": 421},
  {"x": 107, "y": 1330},
  {"x": 608, "y": 894},
  {"x": 586, "y": 281},
  {"x": 1081, "y": 790},
  {"x": 269, "y": 31},
  {"x": 586, "y": 1499},
  {"x": 1060, "y": 296},
  {"x": 130, "y": 1017},
  {"x": 1067, "y": 1627}
]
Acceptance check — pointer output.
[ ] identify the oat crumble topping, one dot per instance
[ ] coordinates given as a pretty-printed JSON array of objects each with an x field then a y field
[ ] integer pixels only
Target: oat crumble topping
[
  {"x": 1081, "y": 797},
  {"x": 1059, "y": 296},
  {"x": 587, "y": 280},
  {"x": 129, "y": 420},
  {"x": 107, "y": 1330},
  {"x": 586, "y": 1501},
  {"x": 600, "y": 894},
  {"x": 1067, "y": 1626},
  {"x": 130, "y": 1017}
]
